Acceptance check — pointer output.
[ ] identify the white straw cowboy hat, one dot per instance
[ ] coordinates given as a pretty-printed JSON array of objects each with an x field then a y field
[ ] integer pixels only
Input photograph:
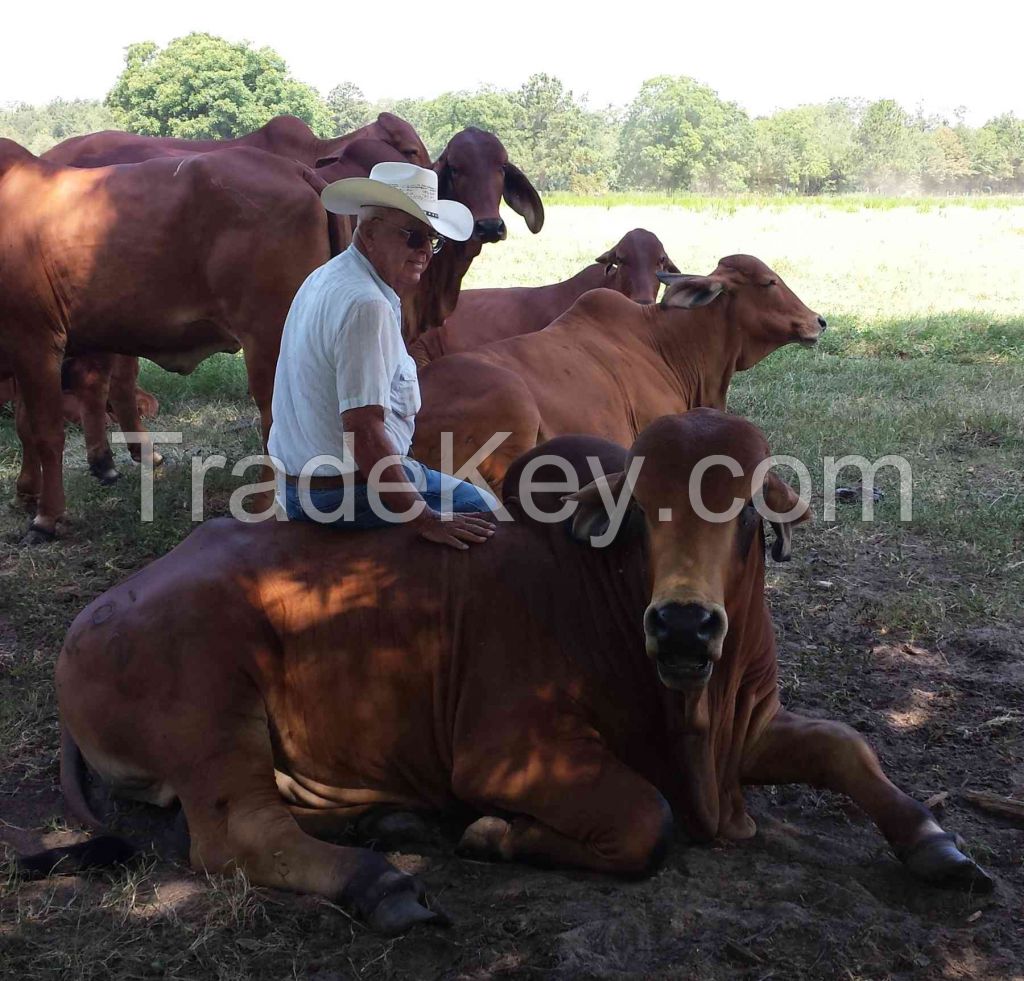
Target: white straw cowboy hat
[{"x": 404, "y": 187}]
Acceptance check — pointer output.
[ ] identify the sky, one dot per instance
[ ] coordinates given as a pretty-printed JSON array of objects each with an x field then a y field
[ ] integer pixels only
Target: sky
[{"x": 764, "y": 55}]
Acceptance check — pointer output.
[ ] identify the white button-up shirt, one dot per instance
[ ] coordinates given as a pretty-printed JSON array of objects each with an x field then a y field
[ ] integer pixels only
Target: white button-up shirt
[{"x": 341, "y": 349}]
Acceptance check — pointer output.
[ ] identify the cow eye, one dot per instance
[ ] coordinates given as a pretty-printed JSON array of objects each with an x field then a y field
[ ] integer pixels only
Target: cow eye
[{"x": 771, "y": 282}]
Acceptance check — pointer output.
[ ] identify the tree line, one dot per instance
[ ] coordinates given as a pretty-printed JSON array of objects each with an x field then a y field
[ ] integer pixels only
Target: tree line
[{"x": 676, "y": 135}]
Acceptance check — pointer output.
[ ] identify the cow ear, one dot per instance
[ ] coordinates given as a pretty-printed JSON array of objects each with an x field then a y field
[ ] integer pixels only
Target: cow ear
[
  {"x": 591, "y": 518},
  {"x": 445, "y": 188},
  {"x": 670, "y": 267},
  {"x": 783, "y": 501},
  {"x": 522, "y": 198},
  {"x": 687, "y": 292}
]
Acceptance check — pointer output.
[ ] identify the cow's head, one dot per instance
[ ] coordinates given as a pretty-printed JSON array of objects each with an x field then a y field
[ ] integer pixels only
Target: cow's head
[
  {"x": 474, "y": 169},
  {"x": 632, "y": 266},
  {"x": 765, "y": 311},
  {"x": 700, "y": 491},
  {"x": 400, "y": 134}
]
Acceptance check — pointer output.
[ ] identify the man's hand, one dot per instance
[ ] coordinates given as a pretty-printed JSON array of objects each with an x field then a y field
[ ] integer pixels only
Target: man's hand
[{"x": 456, "y": 530}]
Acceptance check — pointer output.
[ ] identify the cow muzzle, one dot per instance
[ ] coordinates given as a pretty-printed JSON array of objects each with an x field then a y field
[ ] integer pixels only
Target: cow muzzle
[
  {"x": 685, "y": 640},
  {"x": 810, "y": 334},
  {"x": 490, "y": 230}
]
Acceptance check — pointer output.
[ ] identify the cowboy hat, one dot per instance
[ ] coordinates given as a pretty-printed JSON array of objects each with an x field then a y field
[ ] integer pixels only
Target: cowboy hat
[{"x": 404, "y": 187}]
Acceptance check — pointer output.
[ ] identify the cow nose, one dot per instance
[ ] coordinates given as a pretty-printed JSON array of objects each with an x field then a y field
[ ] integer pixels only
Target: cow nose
[
  {"x": 822, "y": 323},
  {"x": 490, "y": 230},
  {"x": 684, "y": 625}
]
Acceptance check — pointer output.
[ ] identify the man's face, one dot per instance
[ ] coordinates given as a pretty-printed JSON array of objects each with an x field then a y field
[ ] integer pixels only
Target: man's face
[{"x": 387, "y": 245}]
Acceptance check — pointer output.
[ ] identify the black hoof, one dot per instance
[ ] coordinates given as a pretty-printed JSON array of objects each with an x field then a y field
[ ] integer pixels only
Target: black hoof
[
  {"x": 38, "y": 536},
  {"x": 938, "y": 860}
]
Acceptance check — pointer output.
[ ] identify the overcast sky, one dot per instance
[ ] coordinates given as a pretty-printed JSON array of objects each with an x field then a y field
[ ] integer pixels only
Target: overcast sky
[{"x": 764, "y": 55}]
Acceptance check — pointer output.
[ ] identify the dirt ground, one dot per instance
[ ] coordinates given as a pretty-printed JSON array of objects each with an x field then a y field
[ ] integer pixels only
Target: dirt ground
[{"x": 815, "y": 894}]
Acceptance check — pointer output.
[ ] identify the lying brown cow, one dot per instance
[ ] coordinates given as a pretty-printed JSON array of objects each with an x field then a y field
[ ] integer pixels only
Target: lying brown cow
[
  {"x": 609, "y": 366},
  {"x": 484, "y": 316},
  {"x": 283, "y": 136},
  {"x": 611, "y": 690}
]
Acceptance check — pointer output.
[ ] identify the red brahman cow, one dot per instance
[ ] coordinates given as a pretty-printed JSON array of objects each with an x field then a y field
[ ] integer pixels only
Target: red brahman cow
[
  {"x": 611, "y": 691},
  {"x": 483, "y": 316},
  {"x": 283, "y": 136},
  {"x": 609, "y": 366}
]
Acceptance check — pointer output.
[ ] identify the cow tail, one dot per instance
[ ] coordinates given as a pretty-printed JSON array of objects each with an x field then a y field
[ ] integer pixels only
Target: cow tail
[
  {"x": 72, "y": 782},
  {"x": 101, "y": 852},
  {"x": 336, "y": 237}
]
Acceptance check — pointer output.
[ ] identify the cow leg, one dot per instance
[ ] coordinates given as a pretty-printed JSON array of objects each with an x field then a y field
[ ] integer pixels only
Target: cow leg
[
  {"x": 828, "y": 754},
  {"x": 587, "y": 809},
  {"x": 39, "y": 390},
  {"x": 260, "y": 369},
  {"x": 237, "y": 819},
  {"x": 30, "y": 478},
  {"x": 90, "y": 383},
  {"x": 124, "y": 378}
]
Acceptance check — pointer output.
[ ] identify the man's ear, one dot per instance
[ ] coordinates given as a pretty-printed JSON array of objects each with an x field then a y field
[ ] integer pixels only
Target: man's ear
[
  {"x": 783, "y": 500},
  {"x": 591, "y": 518},
  {"x": 687, "y": 292},
  {"x": 521, "y": 196}
]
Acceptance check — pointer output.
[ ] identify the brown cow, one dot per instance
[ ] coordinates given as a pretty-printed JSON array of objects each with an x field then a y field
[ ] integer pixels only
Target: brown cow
[
  {"x": 484, "y": 316},
  {"x": 170, "y": 259},
  {"x": 283, "y": 136},
  {"x": 609, "y": 366},
  {"x": 612, "y": 690}
]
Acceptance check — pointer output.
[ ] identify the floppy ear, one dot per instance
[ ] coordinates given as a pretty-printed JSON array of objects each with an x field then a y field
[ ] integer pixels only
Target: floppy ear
[
  {"x": 782, "y": 499},
  {"x": 606, "y": 258},
  {"x": 591, "y": 518},
  {"x": 686, "y": 292},
  {"x": 445, "y": 189},
  {"x": 522, "y": 198},
  {"x": 670, "y": 267}
]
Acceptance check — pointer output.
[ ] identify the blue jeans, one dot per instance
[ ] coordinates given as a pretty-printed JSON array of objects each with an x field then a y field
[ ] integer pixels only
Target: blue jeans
[{"x": 462, "y": 497}]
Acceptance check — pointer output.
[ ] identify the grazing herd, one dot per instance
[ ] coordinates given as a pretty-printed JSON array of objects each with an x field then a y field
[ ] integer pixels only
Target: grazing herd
[{"x": 284, "y": 684}]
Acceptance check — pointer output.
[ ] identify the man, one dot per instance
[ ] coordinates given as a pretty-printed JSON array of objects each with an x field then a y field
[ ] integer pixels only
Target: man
[{"x": 346, "y": 391}]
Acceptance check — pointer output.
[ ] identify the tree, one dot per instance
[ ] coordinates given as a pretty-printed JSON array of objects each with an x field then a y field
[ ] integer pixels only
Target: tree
[
  {"x": 888, "y": 147},
  {"x": 37, "y": 128},
  {"x": 677, "y": 134},
  {"x": 203, "y": 87},
  {"x": 347, "y": 108},
  {"x": 947, "y": 162},
  {"x": 808, "y": 149}
]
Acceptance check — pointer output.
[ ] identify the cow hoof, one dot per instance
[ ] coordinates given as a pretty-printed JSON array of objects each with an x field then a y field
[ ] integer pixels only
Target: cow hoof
[
  {"x": 38, "y": 536},
  {"x": 484, "y": 838},
  {"x": 938, "y": 860},
  {"x": 403, "y": 909}
]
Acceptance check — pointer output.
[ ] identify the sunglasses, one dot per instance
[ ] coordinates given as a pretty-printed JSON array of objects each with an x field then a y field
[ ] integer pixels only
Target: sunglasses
[{"x": 416, "y": 238}]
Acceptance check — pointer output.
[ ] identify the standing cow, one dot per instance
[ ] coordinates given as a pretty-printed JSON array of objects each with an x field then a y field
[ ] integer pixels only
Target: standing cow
[
  {"x": 580, "y": 699},
  {"x": 483, "y": 316},
  {"x": 609, "y": 366}
]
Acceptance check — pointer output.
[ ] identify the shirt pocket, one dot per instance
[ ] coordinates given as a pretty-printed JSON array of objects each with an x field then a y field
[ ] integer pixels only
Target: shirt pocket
[{"x": 405, "y": 392}]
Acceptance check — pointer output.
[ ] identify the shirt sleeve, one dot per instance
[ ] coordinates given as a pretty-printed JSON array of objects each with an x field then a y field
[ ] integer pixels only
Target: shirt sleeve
[{"x": 365, "y": 358}]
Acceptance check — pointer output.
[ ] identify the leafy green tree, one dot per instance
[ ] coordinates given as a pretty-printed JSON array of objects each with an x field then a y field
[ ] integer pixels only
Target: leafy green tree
[
  {"x": 347, "y": 108},
  {"x": 946, "y": 164},
  {"x": 203, "y": 87},
  {"x": 678, "y": 134},
  {"x": 889, "y": 147},
  {"x": 997, "y": 153},
  {"x": 808, "y": 150},
  {"x": 37, "y": 128}
]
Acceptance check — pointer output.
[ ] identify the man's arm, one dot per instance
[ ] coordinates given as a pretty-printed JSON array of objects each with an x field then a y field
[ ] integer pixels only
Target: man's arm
[{"x": 371, "y": 444}]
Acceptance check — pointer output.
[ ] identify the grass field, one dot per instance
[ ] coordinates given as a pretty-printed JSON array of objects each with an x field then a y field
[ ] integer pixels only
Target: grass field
[{"x": 912, "y": 632}]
